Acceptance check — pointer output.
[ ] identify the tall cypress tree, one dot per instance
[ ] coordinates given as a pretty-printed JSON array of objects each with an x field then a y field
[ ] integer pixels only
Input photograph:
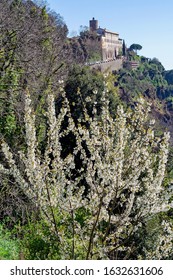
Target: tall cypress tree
[{"x": 124, "y": 48}]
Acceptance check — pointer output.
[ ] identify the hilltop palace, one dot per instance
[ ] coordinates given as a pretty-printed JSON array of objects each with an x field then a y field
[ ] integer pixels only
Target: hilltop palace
[{"x": 111, "y": 44}]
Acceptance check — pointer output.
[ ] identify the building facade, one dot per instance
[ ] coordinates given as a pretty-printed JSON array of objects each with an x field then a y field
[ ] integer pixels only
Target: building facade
[{"x": 111, "y": 44}]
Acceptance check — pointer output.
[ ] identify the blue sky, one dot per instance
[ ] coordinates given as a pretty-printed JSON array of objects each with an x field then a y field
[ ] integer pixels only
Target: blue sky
[{"x": 145, "y": 22}]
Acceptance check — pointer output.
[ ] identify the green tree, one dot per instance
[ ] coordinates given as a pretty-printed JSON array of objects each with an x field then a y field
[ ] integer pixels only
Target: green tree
[
  {"x": 135, "y": 47},
  {"x": 124, "y": 48},
  {"x": 169, "y": 77},
  {"x": 85, "y": 81}
]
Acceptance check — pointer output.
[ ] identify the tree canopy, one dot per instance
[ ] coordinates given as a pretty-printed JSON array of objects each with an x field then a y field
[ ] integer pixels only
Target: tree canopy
[{"x": 135, "y": 47}]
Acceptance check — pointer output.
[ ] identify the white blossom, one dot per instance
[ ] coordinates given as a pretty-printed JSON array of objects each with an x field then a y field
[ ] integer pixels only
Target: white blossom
[{"x": 118, "y": 166}]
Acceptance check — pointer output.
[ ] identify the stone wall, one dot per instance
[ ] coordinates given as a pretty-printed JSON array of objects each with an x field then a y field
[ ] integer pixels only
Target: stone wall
[{"x": 109, "y": 66}]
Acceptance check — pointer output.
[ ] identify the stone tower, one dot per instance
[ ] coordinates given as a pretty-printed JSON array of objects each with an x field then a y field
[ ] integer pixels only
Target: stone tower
[{"x": 93, "y": 24}]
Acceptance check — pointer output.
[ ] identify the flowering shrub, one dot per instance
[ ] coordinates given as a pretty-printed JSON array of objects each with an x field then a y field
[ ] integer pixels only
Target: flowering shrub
[{"x": 122, "y": 163}]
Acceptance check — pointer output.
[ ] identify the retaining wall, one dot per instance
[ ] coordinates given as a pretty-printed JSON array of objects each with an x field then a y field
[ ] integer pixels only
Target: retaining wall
[{"x": 108, "y": 65}]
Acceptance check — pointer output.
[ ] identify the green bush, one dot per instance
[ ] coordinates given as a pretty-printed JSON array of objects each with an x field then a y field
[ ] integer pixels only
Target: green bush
[
  {"x": 9, "y": 247},
  {"x": 38, "y": 242}
]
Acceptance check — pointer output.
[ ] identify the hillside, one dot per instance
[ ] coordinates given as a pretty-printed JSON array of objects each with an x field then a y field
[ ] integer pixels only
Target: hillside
[{"x": 149, "y": 80}]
